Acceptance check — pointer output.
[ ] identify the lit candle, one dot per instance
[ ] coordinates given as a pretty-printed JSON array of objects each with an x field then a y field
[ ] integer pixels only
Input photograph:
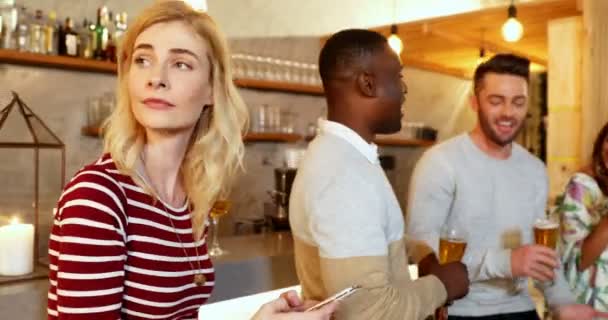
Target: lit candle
[{"x": 16, "y": 249}]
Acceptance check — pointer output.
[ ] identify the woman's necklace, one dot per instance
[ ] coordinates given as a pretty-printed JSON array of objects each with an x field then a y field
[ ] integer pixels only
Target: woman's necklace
[{"x": 199, "y": 278}]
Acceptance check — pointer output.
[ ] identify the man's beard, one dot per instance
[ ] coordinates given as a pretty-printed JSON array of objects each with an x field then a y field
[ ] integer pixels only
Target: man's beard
[{"x": 489, "y": 131}]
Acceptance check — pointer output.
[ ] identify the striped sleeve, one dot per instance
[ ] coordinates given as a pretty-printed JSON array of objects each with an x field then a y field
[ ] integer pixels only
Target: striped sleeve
[{"x": 87, "y": 249}]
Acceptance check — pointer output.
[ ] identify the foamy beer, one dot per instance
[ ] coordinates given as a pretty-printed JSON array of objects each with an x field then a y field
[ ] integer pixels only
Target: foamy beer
[
  {"x": 452, "y": 245},
  {"x": 546, "y": 232},
  {"x": 451, "y": 249}
]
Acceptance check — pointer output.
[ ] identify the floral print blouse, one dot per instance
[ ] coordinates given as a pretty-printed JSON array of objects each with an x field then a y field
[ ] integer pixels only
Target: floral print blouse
[{"x": 580, "y": 209}]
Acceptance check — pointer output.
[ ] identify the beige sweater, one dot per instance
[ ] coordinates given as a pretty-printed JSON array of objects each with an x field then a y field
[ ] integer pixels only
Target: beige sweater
[{"x": 348, "y": 229}]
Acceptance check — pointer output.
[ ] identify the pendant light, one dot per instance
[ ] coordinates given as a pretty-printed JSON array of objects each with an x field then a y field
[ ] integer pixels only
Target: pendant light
[
  {"x": 393, "y": 40},
  {"x": 200, "y": 5},
  {"x": 512, "y": 30}
]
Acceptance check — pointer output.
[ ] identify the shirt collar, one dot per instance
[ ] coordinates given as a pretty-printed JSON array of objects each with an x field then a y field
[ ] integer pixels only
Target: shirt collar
[{"x": 369, "y": 150}]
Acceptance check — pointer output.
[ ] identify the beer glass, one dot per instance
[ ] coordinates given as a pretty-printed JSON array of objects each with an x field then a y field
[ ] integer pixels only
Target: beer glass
[
  {"x": 219, "y": 209},
  {"x": 452, "y": 244},
  {"x": 546, "y": 232}
]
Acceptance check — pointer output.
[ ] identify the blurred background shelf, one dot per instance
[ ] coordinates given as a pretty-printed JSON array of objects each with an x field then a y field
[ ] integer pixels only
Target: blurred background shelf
[
  {"x": 58, "y": 62},
  {"x": 90, "y": 65},
  {"x": 279, "y": 86},
  {"x": 272, "y": 137},
  {"x": 400, "y": 142}
]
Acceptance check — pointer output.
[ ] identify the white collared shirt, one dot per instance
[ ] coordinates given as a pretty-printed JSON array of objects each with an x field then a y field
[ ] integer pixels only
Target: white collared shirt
[{"x": 369, "y": 150}]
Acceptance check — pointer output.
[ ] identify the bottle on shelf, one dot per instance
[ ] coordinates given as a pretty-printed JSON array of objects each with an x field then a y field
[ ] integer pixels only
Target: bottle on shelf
[
  {"x": 110, "y": 52},
  {"x": 9, "y": 13},
  {"x": 50, "y": 36},
  {"x": 120, "y": 27},
  {"x": 86, "y": 41},
  {"x": 101, "y": 34},
  {"x": 22, "y": 33},
  {"x": 36, "y": 38},
  {"x": 68, "y": 41}
]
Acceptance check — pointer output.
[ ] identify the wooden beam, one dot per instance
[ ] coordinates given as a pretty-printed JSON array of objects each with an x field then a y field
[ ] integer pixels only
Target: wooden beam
[{"x": 488, "y": 45}]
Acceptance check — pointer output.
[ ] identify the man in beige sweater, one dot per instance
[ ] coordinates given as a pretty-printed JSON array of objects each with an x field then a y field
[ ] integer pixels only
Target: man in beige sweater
[{"x": 347, "y": 224}]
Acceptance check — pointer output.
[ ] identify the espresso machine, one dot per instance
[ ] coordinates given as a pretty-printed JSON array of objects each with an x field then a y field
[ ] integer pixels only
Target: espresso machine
[{"x": 283, "y": 181}]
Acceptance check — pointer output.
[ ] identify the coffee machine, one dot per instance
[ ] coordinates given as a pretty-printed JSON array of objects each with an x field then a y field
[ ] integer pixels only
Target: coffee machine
[{"x": 283, "y": 181}]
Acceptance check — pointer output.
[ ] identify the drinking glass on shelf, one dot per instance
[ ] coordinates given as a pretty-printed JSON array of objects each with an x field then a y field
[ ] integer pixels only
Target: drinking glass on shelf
[
  {"x": 220, "y": 208},
  {"x": 238, "y": 66},
  {"x": 249, "y": 66},
  {"x": 452, "y": 244}
]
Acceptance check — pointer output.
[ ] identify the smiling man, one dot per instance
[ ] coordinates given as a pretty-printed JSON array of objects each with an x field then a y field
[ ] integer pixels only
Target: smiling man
[{"x": 493, "y": 190}]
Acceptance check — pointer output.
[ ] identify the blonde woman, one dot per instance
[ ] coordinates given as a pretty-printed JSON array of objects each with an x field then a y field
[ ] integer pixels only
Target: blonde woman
[{"x": 128, "y": 240}]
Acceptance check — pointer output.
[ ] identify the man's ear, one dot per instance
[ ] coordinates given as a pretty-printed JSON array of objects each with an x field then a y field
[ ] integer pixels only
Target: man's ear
[
  {"x": 367, "y": 84},
  {"x": 474, "y": 102}
]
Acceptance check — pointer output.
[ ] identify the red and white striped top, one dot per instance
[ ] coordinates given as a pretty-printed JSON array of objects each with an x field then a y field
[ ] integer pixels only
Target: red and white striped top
[{"x": 114, "y": 254}]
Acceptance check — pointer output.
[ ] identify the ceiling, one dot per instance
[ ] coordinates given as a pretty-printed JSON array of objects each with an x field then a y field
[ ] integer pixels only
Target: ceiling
[
  {"x": 451, "y": 44},
  {"x": 292, "y": 18}
]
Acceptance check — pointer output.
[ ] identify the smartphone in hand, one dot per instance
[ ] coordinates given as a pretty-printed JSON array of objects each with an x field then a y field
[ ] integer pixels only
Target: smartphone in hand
[{"x": 336, "y": 297}]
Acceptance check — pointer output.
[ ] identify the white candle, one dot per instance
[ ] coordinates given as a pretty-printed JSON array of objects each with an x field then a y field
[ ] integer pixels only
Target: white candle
[{"x": 16, "y": 249}]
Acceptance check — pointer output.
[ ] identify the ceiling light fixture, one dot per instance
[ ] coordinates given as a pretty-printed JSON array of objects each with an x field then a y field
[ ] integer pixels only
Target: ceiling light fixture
[{"x": 512, "y": 30}]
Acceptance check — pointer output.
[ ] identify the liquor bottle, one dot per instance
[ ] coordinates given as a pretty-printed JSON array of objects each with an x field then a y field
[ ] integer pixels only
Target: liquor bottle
[
  {"x": 22, "y": 32},
  {"x": 86, "y": 40},
  {"x": 10, "y": 13},
  {"x": 101, "y": 34},
  {"x": 68, "y": 43},
  {"x": 120, "y": 28},
  {"x": 110, "y": 51},
  {"x": 50, "y": 37},
  {"x": 36, "y": 36}
]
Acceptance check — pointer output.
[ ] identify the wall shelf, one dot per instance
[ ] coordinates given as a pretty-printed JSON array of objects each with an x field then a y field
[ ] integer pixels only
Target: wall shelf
[
  {"x": 395, "y": 142},
  {"x": 58, "y": 62},
  {"x": 249, "y": 137},
  {"x": 91, "y": 132},
  {"x": 279, "y": 86},
  {"x": 400, "y": 142},
  {"x": 90, "y": 65},
  {"x": 272, "y": 137}
]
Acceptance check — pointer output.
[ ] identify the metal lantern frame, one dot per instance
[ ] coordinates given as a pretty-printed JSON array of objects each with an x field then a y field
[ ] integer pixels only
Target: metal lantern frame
[{"x": 31, "y": 120}]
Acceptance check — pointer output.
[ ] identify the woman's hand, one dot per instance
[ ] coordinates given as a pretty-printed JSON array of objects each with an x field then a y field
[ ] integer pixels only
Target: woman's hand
[{"x": 289, "y": 307}]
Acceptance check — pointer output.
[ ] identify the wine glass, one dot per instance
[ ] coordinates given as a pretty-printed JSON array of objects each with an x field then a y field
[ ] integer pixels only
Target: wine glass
[{"x": 219, "y": 209}]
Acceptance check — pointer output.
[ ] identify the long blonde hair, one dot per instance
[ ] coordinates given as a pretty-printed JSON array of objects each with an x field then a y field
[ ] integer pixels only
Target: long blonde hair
[{"x": 215, "y": 152}]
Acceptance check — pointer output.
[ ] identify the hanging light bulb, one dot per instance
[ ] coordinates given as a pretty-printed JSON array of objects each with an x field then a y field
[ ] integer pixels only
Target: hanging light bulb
[
  {"x": 482, "y": 56},
  {"x": 200, "y": 5},
  {"x": 394, "y": 41},
  {"x": 512, "y": 30}
]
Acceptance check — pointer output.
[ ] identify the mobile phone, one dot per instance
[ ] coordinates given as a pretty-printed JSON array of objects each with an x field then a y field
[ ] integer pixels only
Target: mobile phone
[{"x": 336, "y": 297}]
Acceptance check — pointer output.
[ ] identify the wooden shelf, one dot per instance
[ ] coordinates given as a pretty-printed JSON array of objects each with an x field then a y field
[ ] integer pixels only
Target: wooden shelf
[
  {"x": 395, "y": 142},
  {"x": 279, "y": 86},
  {"x": 400, "y": 142},
  {"x": 91, "y": 132},
  {"x": 80, "y": 64},
  {"x": 272, "y": 137},
  {"x": 249, "y": 137},
  {"x": 59, "y": 62}
]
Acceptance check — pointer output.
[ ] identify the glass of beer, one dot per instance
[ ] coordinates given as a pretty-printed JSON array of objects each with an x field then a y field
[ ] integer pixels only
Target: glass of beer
[
  {"x": 219, "y": 209},
  {"x": 452, "y": 244},
  {"x": 546, "y": 233}
]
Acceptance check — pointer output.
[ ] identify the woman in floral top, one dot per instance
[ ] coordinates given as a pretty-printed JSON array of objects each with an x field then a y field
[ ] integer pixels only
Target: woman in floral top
[{"x": 584, "y": 219}]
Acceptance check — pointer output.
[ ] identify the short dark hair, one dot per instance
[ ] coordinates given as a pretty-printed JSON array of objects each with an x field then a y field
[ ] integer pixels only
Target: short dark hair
[
  {"x": 502, "y": 64},
  {"x": 598, "y": 167},
  {"x": 343, "y": 51}
]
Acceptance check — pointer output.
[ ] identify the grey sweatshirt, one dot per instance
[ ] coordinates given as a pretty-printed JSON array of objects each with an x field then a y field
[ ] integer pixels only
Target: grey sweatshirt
[{"x": 496, "y": 203}]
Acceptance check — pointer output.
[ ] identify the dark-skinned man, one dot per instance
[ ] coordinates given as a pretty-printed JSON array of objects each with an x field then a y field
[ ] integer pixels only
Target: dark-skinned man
[{"x": 347, "y": 224}]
